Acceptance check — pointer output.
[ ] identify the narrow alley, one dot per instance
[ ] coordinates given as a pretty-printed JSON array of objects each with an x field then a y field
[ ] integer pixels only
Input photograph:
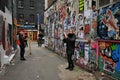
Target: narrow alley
[
  {"x": 42, "y": 65},
  {"x": 81, "y": 32}
]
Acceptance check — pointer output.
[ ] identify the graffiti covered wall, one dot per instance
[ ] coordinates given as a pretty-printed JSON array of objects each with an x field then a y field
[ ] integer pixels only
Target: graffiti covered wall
[{"x": 109, "y": 47}]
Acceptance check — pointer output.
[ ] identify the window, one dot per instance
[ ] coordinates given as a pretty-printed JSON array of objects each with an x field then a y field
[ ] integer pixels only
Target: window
[
  {"x": 20, "y": 4},
  {"x": 20, "y": 17},
  {"x": 2, "y": 5},
  {"x": 103, "y": 2},
  {"x": 31, "y": 18},
  {"x": 115, "y": 0},
  {"x": 31, "y": 4}
]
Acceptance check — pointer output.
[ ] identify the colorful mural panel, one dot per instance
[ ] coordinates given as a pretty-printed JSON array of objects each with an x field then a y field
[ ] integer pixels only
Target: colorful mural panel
[
  {"x": 109, "y": 22},
  {"x": 109, "y": 57}
]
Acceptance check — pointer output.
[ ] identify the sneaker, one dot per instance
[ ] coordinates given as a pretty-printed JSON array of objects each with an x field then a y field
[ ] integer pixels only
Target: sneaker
[
  {"x": 71, "y": 69},
  {"x": 67, "y": 68},
  {"x": 23, "y": 59}
]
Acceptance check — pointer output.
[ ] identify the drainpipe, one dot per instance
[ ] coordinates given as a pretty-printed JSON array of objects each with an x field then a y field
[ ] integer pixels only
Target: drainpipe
[
  {"x": 12, "y": 24},
  {"x": 38, "y": 23}
]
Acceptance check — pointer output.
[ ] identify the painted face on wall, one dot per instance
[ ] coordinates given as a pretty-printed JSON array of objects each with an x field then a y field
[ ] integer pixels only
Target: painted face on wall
[
  {"x": 103, "y": 31},
  {"x": 107, "y": 52}
]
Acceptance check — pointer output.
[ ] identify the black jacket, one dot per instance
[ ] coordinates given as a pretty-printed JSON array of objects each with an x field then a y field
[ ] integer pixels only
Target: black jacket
[
  {"x": 40, "y": 36},
  {"x": 70, "y": 43},
  {"x": 21, "y": 38}
]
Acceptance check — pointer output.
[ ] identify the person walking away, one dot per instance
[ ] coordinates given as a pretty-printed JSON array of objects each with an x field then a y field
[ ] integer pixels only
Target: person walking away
[
  {"x": 70, "y": 45},
  {"x": 22, "y": 46},
  {"x": 40, "y": 41}
]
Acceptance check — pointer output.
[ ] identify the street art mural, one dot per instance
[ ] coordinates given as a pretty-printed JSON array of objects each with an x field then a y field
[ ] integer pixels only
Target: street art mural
[
  {"x": 109, "y": 57},
  {"x": 108, "y": 30},
  {"x": 109, "y": 22}
]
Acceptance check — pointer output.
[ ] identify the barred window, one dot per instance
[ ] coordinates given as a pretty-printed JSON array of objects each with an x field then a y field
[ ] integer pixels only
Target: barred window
[
  {"x": 31, "y": 4},
  {"x": 20, "y": 17},
  {"x": 103, "y": 2},
  {"x": 20, "y": 4}
]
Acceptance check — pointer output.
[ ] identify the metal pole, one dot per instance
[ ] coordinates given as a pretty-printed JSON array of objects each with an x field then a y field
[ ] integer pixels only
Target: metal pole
[
  {"x": 12, "y": 32},
  {"x": 38, "y": 22},
  {"x": 30, "y": 44},
  {"x": 30, "y": 47}
]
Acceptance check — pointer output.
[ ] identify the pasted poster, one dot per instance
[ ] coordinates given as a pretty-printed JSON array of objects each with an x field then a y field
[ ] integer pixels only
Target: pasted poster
[
  {"x": 109, "y": 22},
  {"x": 62, "y": 13},
  {"x": 94, "y": 20},
  {"x": 81, "y": 53},
  {"x": 87, "y": 4}
]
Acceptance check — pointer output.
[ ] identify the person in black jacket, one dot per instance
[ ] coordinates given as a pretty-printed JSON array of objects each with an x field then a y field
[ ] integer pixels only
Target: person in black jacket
[
  {"x": 40, "y": 40},
  {"x": 22, "y": 46},
  {"x": 70, "y": 45}
]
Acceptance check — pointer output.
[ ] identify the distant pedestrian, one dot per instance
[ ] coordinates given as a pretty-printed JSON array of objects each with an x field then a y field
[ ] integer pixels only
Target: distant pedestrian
[
  {"x": 40, "y": 40},
  {"x": 70, "y": 45},
  {"x": 22, "y": 46}
]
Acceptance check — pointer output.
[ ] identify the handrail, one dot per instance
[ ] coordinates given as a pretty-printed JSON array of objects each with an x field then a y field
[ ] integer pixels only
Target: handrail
[{"x": 114, "y": 41}]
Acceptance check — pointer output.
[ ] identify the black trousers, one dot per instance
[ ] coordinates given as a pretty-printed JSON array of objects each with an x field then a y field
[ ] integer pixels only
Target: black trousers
[
  {"x": 69, "y": 58},
  {"x": 22, "y": 52}
]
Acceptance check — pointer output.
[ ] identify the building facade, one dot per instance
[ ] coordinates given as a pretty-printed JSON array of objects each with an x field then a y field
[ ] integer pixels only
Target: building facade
[
  {"x": 30, "y": 16},
  {"x": 7, "y": 42}
]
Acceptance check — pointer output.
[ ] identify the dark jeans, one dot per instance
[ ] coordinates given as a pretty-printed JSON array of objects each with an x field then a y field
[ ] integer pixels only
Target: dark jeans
[
  {"x": 69, "y": 58},
  {"x": 22, "y": 52}
]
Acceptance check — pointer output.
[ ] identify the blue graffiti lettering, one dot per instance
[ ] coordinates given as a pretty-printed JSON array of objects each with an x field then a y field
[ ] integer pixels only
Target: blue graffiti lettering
[{"x": 116, "y": 57}]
